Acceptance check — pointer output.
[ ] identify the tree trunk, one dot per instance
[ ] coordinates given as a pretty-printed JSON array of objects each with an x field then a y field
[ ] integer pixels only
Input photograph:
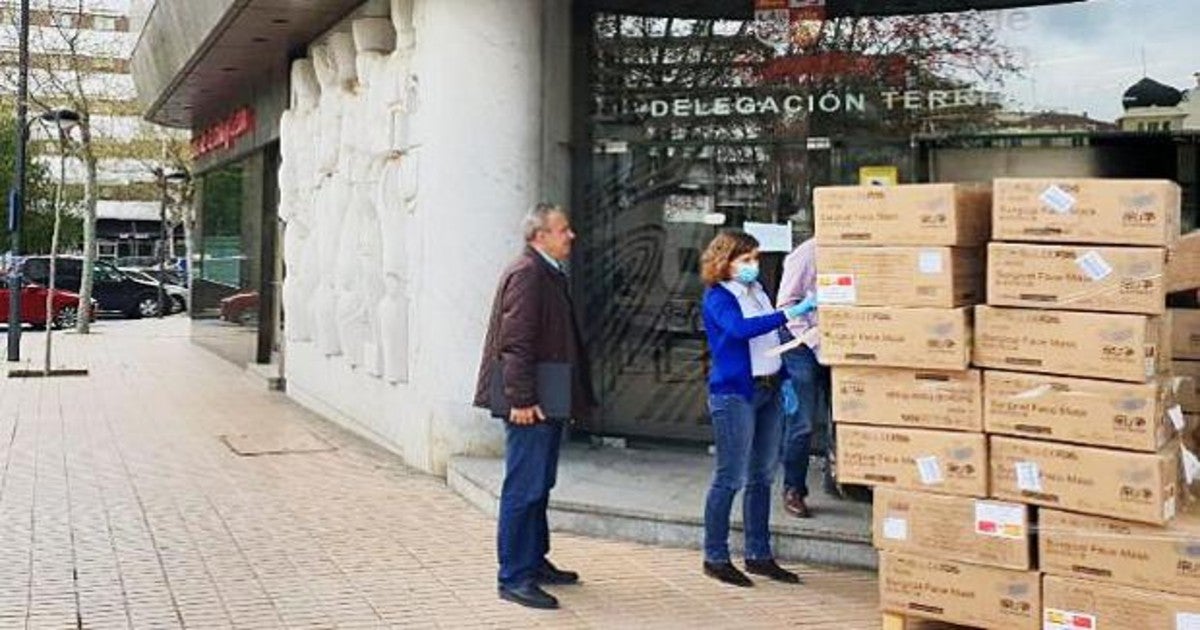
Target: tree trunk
[
  {"x": 51, "y": 285},
  {"x": 90, "y": 191}
]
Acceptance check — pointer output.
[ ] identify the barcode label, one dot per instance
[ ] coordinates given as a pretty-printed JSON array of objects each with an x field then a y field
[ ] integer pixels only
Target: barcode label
[
  {"x": 1094, "y": 266},
  {"x": 1058, "y": 199},
  {"x": 1187, "y": 621},
  {"x": 1029, "y": 478},
  {"x": 930, "y": 470},
  {"x": 930, "y": 261},
  {"x": 895, "y": 528}
]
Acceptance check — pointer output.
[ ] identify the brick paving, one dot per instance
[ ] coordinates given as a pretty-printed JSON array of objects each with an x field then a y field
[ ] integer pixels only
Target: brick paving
[{"x": 121, "y": 506}]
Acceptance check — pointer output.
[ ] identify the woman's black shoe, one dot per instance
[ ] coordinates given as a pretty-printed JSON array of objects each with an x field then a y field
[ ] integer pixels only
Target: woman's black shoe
[
  {"x": 770, "y": 569},
  {"x": 727, "y": 573}
]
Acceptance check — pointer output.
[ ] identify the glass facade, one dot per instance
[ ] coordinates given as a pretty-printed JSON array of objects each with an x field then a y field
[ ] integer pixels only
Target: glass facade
[
  {"x": 233, "y": 259},
  {"x": 699, "y": 124}
]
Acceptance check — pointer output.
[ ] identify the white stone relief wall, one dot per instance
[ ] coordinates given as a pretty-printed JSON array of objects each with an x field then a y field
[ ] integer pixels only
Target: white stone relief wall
[
  {"x": 348, "y": 182},
  {"x": 411, "y": 149}
]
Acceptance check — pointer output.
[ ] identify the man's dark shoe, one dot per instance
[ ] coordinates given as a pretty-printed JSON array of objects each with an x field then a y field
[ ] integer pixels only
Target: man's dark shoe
[
  {"x": 529, "y": 595},
  {"x": 550, "y": 574},
  {"x": 770, "y": 569},
  {"x": 727, "y": 573},
  {"x": 794, "y": 504}
]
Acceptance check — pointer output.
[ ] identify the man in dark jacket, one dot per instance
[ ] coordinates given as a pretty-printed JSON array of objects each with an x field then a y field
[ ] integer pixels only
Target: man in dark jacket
[{"x": 533, "y": 325}]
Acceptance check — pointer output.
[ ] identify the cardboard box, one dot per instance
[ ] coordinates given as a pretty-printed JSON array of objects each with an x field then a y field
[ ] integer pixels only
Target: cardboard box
[
  {"x": 1071, "y": 604},
  {"x": 936, "y": 277},
  {"x": 909, "y": 214},
  {"x": 957, "y": 592},
  {"x": 921, "y": 399},
  {"x": 946, "y": 462},
  {"x": 1187, "y": 384},
  {"x": 1118, "y": 212},
  {"x": 1130, "y": 416},
  {"x": 1185, "y": 333},
  {"x": 956, "y": 528},
  {"x": 1100, "y": 345},
  {"x": 1183, "y": 264},
  {"x": 924, "y": 338},
  {"x": 1078, "y": 278},
  {"x": 1120, "y": 552},
  {"x": 1143, "y": 487}
]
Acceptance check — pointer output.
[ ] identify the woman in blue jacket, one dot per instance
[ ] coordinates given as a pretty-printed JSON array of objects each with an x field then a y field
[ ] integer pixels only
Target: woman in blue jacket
[{"x": 743, "y": 388}]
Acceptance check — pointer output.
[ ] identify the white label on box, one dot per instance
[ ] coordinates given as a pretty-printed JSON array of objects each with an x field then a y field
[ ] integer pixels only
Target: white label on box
[
  {"x": 1169, "y": 509},
  {"x": 1054, "y": 619},
  {"x": 1176, "y": 415},
  {"x": 1029, "y": 478},
  {"x": 1094, "y": 266},
  {"x": 930, "y": 261},
  {"x": 1191, "y": 465},
  {"x": 1001, "y": 520},
  {"x": 1187, "y": 621},
  {"x": 836, "y": 288},
  {"x": 930, "y": 470},
  {"x": 895, "y": 528},
  {"x": 1058, "y": 199}
]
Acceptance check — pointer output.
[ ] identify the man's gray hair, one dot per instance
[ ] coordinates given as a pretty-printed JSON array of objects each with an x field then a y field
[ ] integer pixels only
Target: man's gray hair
[{"x": 538, "y": 218}]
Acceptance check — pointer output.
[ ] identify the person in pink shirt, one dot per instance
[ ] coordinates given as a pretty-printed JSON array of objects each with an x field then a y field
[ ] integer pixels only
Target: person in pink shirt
[{"x": 807, "y": 378}]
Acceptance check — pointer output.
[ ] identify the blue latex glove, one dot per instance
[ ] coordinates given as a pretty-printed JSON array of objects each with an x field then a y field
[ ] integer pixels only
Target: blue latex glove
[{"x": 802, "y": 308}]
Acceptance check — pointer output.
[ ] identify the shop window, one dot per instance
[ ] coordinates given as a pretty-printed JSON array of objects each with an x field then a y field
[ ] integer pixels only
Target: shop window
[{"x": 104, "y": 23}]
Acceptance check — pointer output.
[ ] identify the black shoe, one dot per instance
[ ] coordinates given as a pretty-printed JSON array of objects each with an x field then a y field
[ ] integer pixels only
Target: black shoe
[
  {"x": 530, "y": 595},
  {"x": 550, "y": 574},
  {"x": 727, "y": 573},
  {"x": 770, "y": 569}
]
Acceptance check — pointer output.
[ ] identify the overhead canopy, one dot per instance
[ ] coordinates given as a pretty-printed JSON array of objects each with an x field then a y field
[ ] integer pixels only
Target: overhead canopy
[{"x": 744, "y": 9}]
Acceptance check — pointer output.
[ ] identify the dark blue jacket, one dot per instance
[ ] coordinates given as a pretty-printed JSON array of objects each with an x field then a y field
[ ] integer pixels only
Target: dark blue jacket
[{"x": 729, "y": 334}]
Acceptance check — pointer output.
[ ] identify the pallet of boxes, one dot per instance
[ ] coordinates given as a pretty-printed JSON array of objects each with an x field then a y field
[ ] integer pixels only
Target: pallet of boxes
[{"x": 1071, "y": 412}]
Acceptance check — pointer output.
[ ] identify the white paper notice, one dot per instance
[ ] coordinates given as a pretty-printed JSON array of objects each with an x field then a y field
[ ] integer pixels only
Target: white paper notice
[
  {"x": 836, "y": 288},
  {"x": 1187, "y": 621},
  {"x": 772, "y": 237},
  {"x": 1001, "y": 520},
  {"x": 930, "y": 470},
  {"x": 1029, "y": 478},
  {"x": 1058, "y": 199},
  {"x": 895, "y": 528},
  {"x": 930, "y": 261},
  {"x": 1054, "y": 619},
  {"x": 1094, "y": 266},
  {"x": 1176, "y": 415}
]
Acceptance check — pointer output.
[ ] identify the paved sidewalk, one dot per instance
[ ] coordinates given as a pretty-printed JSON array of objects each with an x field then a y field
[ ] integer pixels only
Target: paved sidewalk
[{"x": 123, "y": 505}]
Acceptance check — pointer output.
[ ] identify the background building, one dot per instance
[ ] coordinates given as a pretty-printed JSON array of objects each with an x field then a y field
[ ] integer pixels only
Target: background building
[{"x": 96, "y": 39}]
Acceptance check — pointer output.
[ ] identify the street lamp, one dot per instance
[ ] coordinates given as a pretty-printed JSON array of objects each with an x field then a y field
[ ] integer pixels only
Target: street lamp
[
  {"x": 163, "y": 178},
  {"x": 65, "y": 120}
]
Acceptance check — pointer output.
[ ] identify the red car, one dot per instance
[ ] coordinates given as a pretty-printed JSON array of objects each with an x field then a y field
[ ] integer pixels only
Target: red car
[
  {"x": 240, "y": 308},
  {"x": 33, "y": 306}
]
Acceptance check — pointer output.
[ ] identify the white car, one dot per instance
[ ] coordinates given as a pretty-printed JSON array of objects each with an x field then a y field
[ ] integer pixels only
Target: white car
[{"x": 176, "y": 294}]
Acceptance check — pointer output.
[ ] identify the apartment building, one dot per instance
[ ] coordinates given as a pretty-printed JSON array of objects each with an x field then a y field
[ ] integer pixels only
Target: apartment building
[{"x": 94, "y": 38}]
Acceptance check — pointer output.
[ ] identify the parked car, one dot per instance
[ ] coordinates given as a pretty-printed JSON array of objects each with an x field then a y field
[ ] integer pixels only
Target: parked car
[
  {"x": 176, "y": 293},
  {"x": 239, "y": 308},
  {"x": 33, "y": 306},
  {"x": 114, "y": 291}
]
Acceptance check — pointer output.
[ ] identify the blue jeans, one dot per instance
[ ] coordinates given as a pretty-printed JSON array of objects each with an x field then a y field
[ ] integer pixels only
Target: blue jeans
[
  {"x": 747, "y": 435},
  {"x": 809, "y": 382},
  {"x": 530, "y": 471}
]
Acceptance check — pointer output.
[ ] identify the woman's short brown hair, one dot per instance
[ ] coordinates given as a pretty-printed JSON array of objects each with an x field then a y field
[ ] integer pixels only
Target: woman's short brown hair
[{"x": 729, "y": 244}]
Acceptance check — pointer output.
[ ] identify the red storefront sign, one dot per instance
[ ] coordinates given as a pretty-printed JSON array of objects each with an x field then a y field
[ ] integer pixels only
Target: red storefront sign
[{"x": 222, "y": 135}]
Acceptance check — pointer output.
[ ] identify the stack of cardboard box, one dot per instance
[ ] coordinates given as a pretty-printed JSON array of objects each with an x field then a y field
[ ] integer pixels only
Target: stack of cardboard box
[
  {"x": 1185, "y": 364},
  {"x": 1074, "y": 419},
  {"x": 1078, "y": 399},
  {"x": 899, "y": 269}
]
